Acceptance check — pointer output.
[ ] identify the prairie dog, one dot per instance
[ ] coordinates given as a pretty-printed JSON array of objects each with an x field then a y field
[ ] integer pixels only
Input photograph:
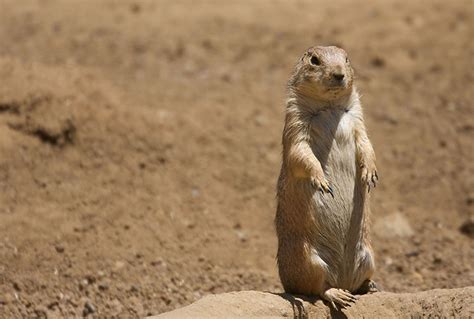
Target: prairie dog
[{"x": 327, "y": 172}]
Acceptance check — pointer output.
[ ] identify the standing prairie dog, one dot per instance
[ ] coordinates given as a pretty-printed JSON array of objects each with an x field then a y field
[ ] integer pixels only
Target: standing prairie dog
[{"x": 327, "y": 171}]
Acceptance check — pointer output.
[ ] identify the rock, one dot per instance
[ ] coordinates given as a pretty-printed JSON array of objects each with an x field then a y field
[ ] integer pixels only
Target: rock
[
  {"x": 241, "y": 235},
  {"x": 89, "y": 309},
  {"x": 103, "y": 286},
  {"x": 413, "y": 253},
  {"x": 437, "y": 303},
  {"x": 467, "y": 228},
  {"x": 59, "y": 248},
  {"x": 394, "y": 225}
]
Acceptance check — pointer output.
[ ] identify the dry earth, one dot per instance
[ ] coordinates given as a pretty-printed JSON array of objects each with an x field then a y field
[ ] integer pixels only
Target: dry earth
[
  {"x": 436, "y": 303},
  {"x": 140, "y": 146}
]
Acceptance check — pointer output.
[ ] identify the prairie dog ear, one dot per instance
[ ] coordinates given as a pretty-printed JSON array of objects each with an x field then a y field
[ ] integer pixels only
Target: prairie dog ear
[
  {"x": 303, "y": 56},
  {"x": 306, "y": 53}
]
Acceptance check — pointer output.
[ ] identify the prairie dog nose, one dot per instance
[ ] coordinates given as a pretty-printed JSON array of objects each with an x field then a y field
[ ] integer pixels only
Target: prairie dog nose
[{"x": 338, "y": 76}]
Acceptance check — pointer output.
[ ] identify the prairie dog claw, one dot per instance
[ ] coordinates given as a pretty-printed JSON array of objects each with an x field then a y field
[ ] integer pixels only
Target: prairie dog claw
[
  {"x": 369, "y": 177},
  {"x": 322, "y": 185},
  {"x": 341, "y": 297}
]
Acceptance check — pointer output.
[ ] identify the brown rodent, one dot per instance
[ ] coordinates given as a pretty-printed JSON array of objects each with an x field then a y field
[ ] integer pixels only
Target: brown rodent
[{"x": 327, "y": 171}]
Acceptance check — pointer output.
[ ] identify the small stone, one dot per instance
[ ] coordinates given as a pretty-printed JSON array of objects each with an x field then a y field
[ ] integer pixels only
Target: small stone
[
  {"x": 103, "y": 286},
  {"x": 241, "y": 235},
  {"x": 413, "y": 253},
  {"x": 53, "y": 304},
  {"x": 119, "y": 264},
  {"x": 189, "y": 224},
  {"x": 195, "y": 192},
  {"x": 59, "y": 248},
  {"x": 90, "y": 279},
  {"x": 394, "y": 225},
  {"x": 157, "y": 262},
  {"x": 399, "y": 268},
  {"x": 16, "y": 286},
  {"x": 467, "y": 228},
  {"x": 260, "y": 120},
  {"x": 89, "y": 309}
]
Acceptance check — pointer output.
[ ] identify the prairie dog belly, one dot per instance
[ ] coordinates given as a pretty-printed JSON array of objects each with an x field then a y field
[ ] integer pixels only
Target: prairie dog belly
[
  {"x": 333, "y": 144},
  {"x": 339, "y": 219}
]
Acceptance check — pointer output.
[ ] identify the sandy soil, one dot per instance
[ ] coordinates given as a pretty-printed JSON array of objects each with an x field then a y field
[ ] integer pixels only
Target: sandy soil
[{"x": 140, "y": 146}]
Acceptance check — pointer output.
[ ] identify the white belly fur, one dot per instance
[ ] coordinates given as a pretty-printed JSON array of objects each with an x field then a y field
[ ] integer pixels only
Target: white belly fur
[{"x": 340, "y": 218}]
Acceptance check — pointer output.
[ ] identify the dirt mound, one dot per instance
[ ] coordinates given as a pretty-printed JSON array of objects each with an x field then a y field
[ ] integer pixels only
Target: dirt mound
[
  {"x": 439, "y": 303},
  {"x": 140, "y": 146}
]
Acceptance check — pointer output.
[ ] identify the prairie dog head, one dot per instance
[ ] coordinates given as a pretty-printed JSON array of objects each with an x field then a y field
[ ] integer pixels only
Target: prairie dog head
[{"x": 322, "y": 73}]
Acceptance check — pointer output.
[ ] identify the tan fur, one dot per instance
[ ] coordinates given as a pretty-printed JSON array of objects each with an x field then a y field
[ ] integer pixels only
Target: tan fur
[{"x": 322, "y": 238}]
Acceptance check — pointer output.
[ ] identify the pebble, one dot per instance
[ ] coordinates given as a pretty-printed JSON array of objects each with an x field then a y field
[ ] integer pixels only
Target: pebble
[
  {"x": 413, "y": 253},
  {"x": 89, "y": 308},
  {"x": 59, "y": 248},
  {"x": 103, "y": 286},
  {"x": 467, "y": 228},
  {"x": 437, "y": 259},
  {"x": 158, "y": 262},
  {"x": 394, "y": 225},
  {"x": 241, "y": 235}
]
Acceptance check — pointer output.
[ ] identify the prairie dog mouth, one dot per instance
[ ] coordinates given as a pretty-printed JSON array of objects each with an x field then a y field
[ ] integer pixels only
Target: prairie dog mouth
[{"x": 336, "y": 86}]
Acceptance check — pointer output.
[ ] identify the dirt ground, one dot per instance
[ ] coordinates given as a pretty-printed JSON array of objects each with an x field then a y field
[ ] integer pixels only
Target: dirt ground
[{"x": 140, "y": 145}]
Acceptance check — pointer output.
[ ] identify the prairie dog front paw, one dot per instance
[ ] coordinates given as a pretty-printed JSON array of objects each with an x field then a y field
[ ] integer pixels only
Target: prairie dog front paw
[
  {"x": 369, "y": 174},
  {"x": 321, "y": 184}
]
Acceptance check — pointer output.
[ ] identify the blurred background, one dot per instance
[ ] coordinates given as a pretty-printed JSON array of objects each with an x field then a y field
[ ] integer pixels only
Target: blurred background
[{"x": 140, "y": 145}]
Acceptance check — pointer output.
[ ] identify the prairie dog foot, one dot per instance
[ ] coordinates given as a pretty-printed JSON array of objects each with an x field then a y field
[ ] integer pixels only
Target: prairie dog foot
[
  {"x": 368, "y": 287},
  {"x": 339, "y": 296}
]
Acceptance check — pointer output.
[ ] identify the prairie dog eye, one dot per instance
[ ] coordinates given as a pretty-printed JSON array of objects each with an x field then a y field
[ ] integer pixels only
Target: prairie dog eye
[
  {"x": 347, "y": 60},
  {"x": 314, "y": 60}
]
